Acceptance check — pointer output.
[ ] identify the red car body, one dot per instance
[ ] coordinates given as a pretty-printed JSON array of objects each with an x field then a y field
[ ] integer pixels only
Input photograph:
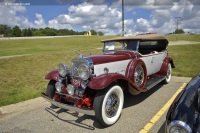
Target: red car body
[{"x": 94, "y": 85}]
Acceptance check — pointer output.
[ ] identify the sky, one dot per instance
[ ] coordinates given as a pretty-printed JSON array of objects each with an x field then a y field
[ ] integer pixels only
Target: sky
[{"x": 140, "y": 16}]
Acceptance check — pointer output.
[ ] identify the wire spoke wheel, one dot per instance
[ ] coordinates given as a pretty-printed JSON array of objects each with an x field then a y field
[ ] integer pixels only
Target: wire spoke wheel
[
  {"x": 112, "y": 105},
  {"x": 139, "y": 75},
  {"x": 108, "y": 105}
]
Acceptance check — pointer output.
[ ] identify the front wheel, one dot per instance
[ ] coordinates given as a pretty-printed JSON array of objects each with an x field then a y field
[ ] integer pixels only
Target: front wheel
[
  {"x": 169, "y": 74},
  {"x": 108, "y": 105},
  {"x": 50, "y": 91}
]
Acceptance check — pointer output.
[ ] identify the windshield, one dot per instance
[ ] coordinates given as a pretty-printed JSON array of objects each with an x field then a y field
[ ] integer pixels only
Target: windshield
[{"x": 121, "y": 45}]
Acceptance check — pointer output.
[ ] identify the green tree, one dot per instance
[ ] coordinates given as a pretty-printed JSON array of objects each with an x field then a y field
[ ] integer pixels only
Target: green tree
[
  {"x": 100, "y": 33},
  {"x": 179, "y": 31},
  {"x": 24, "y": 32},
  {"x": 38, "y": 33},
  {"x": 29, "y": 32},
  {"x": 5, "y": 30},
  {"x": 93, "y": 32},
  {"x": 16, "y": 31}
]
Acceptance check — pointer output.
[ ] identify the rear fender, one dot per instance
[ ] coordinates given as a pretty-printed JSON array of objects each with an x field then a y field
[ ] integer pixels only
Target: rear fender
[
  {"x": 105, "y": 80},
  {"x": 53, "y": 75},
  {"x": 163, "y": 70}
]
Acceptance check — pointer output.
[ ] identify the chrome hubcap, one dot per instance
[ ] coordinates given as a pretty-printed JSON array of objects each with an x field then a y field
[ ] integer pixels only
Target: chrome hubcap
[
  {"x": 112, "y": 105},
  {"x": 139, "y": 75}
]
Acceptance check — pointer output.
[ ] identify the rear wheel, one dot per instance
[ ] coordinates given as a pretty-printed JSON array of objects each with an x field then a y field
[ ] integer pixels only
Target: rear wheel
[
  {"x": 139, "y": 75},
  {"x": 169, "y": 74},
  {"x": 108, "y": 105}
]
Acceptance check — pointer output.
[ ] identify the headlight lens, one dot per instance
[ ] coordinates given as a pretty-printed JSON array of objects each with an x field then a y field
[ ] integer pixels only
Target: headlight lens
[
  {"x": 70, "y": 89},
  {"x": 63, "y": 69},
  {"x": 83, "y": 72},
  {"x": 178, "y": 127},
  {"x": 59, "y": 86}
]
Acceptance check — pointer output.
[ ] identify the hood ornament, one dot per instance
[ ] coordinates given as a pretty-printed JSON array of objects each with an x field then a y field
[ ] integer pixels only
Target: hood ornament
[{"x": 77, "y": 52}]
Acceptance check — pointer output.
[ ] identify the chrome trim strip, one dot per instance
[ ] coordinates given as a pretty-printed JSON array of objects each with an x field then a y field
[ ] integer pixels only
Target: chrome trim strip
[{"x": 68, "y": 107}]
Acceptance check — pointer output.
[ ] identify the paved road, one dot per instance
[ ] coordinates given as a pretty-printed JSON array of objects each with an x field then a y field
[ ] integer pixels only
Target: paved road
[{"x": 34, "y": 116}]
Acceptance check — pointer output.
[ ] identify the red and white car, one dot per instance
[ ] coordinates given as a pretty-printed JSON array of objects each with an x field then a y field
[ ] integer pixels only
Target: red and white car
[{"x": 95, "y": 85}]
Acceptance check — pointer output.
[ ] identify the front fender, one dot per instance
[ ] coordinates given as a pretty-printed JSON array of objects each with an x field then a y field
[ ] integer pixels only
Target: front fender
[
  {"x": 53, "y": 75},
  {"x": 104, "y": 80}
]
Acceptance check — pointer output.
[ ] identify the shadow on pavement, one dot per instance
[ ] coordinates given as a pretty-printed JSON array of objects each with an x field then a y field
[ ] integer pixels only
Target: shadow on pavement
[
  {"x": 129, "y": 100},
  {"x": 74, "y": 122},
  {"x": 162, "y": 128}
]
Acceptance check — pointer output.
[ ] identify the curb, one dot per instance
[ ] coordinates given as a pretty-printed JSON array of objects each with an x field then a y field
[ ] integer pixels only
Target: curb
[{"x": 23, "y": 106}]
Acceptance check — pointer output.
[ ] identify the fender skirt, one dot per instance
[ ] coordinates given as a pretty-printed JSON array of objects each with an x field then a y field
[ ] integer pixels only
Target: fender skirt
[
  {"x": 53, "y": 75},
  {"x": 104, "y": 80}
]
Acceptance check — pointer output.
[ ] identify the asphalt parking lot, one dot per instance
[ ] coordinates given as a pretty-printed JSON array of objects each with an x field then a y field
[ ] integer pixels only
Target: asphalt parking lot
[{"x": 34, "y": 116}]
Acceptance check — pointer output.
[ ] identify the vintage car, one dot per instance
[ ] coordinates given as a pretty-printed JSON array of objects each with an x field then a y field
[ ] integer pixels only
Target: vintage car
[
  {"x": 95, "y": 85},
  {"x": 184, "y": 113}
]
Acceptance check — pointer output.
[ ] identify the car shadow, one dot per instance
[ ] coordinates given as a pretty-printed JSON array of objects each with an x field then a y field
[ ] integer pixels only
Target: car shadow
[
  {"x": 78, "y": 122},
  {"x": 162, "y": 128},
  {"x": 129, "y": 100}
]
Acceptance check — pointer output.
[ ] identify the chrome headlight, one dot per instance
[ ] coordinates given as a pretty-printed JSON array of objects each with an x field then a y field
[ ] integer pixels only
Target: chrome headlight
[
  {"x": 70, "y": 89},
  {"x": 178, "y": 127},
  {"x": 83, "y": 72},
  {"x": 59, "y": 86},
  {"x": 63, "y": 69}
]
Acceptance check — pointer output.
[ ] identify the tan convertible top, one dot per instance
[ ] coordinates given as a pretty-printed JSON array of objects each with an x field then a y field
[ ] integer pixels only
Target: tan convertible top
[{"x": 139, "y": 37}]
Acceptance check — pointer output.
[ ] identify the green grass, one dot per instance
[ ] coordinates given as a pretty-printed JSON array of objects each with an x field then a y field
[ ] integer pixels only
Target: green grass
[
  {"x": 22, "y": 78},
  {"x": 184, "y": 37},
  {"x": 50, "y": 45},
  {"x": 186, "y": 59}
]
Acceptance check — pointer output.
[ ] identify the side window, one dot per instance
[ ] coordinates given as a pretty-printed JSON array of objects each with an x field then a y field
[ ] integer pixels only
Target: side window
[
  {"x": 131, "y": 45},
  {"x": 147, "y": 47}
]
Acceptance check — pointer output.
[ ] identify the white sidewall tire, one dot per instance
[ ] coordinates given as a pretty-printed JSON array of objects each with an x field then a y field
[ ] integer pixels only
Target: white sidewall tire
[
  {"x": 119, "y": 92},
  {"x": 168, "y": 77}
]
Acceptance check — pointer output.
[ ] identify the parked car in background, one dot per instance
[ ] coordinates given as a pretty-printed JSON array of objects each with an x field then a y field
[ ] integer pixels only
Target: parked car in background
[
  {"x": 184, "y": 113},
  {"x": 95, "y": 85}
]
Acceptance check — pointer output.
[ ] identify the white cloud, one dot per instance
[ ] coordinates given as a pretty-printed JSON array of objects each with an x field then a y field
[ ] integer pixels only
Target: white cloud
[
  {"x": 39, "y": 22},
  {"x": 101, "y": 17},
  {"x": 88, "y": 17},
  {"x": 8, "y": 15},
  {"x": 54, "y": 24},
  {"x": 143, "y": 25}
]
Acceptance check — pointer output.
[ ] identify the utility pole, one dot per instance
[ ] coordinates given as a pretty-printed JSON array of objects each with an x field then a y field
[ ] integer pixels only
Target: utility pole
[
  {"x": 177, "y": 19},
  {"x": 122, "y": 17}
]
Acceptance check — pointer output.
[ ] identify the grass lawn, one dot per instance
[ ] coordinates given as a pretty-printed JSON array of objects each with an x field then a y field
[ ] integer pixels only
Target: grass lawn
[
  {"x": 22, "y": 78},
  {"x": 49, "y": 45},
  {"x": 184, "y": 37}
]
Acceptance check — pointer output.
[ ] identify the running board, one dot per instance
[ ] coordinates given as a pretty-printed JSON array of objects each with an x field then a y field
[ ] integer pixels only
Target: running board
[{"x": 153, "y": 82}]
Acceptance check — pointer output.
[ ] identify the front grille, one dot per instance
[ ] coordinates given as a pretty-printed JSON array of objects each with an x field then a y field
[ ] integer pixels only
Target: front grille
[{"x": 75, "y": 65}]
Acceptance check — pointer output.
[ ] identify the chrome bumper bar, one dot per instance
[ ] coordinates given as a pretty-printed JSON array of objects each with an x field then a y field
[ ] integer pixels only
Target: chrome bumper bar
[{"x": 68, "y": 107}]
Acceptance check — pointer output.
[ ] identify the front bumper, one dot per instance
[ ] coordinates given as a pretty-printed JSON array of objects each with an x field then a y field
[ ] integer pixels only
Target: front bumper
[{"x": 68, "y": 107}]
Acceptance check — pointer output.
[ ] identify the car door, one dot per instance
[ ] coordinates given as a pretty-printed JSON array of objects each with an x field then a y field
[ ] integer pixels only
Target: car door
[{"x": 153, "y": 62}]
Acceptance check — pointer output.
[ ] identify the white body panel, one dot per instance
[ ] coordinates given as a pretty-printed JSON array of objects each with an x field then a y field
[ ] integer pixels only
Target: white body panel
[
  {"x": 113, "y": 67},
  {"x": 154, "y": 62}
]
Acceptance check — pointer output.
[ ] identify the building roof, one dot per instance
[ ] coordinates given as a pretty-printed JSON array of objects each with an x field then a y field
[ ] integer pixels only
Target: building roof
[{"x": 145, "y": 37}]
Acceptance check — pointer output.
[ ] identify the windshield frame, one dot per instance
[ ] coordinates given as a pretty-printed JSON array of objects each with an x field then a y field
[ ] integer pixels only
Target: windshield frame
[{"x": 129, "y": 45}]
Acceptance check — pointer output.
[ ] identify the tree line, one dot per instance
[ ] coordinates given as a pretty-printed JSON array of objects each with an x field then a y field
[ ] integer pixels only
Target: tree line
[{"x": 6, "y": 31}]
